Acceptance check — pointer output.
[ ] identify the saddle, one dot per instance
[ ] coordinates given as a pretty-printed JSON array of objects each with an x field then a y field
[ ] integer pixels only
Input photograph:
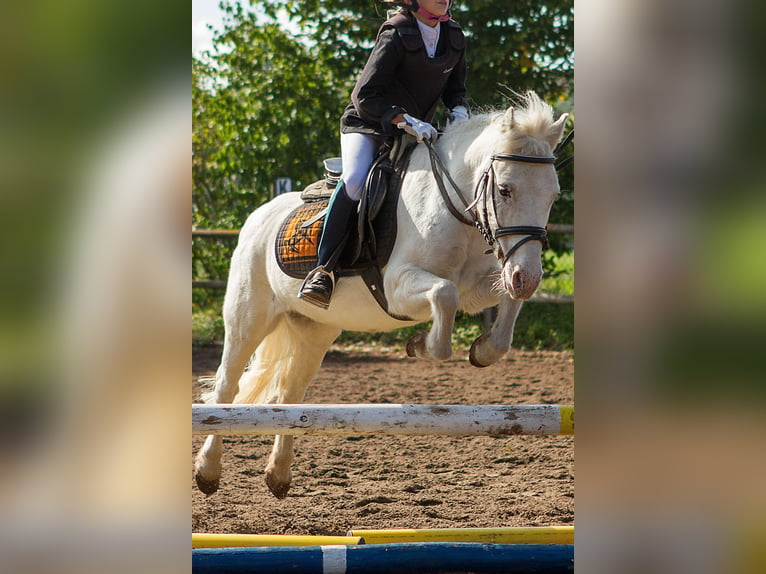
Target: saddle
[{"x": 369, "y": 244}]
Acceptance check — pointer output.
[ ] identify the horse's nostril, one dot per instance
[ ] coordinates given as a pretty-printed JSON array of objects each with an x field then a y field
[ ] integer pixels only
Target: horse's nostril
[{"x": 517, "y": 281}]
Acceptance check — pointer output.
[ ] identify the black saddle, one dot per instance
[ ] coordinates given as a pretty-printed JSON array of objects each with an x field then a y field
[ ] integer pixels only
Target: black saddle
[{"x": 369, "y": 244}]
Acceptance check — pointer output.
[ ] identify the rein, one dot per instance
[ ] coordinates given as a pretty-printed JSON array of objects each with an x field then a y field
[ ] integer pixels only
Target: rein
[
  {"x": 436, "y": 165},
  {"x": 481, "y": 219},
  {"x": 561, "y": 147}
]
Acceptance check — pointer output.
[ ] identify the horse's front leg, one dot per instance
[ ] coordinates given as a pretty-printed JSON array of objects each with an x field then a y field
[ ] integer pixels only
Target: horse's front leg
[
  {"x": 415, "y": 290},
  {"x": 491, "y": 346}
]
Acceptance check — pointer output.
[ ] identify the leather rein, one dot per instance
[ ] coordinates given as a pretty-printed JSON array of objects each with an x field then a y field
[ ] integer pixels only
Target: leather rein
[{"x": 479, "y": 216}]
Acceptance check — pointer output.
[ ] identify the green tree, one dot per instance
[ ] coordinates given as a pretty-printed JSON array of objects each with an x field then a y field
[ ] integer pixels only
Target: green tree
[
  {"x": 519, "y": 45},
  {"x": 263, "y": 107}
]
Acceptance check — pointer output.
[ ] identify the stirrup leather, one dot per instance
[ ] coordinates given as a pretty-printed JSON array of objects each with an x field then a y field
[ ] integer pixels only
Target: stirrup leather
[{"x": 317, "y": 288}]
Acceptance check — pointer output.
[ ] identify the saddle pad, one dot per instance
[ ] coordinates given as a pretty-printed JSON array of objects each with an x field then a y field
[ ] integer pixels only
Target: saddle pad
[
  {"x": 317, "y": 191},
  {"x": 296, "y": 246}
]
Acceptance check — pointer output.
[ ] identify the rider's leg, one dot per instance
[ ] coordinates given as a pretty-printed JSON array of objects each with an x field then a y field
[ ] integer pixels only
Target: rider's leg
[{"x": 358, "y": 152}]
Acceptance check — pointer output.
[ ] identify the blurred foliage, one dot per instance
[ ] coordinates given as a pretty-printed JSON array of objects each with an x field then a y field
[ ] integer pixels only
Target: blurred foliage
[
  {"x": 711, "y": 343},
  {"x": 559, "y": 273},
  {"x": 267, "y": 99},
  {"x": 69, "y": 71}
]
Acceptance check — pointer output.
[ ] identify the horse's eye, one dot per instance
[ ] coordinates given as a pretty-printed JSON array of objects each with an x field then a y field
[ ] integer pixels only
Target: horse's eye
[{"x": 505, "y": 190}]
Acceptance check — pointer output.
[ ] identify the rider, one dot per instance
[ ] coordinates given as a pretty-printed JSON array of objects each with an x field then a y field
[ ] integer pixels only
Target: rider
[{"x": 418, "y": 58}]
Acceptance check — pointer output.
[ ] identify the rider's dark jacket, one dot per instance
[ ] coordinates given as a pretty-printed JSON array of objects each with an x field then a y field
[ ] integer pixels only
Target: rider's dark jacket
[{"x": 399, "y": 77}]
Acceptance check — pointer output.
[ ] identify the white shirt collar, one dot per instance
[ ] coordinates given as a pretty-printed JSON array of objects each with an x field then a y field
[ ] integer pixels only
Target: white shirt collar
[{"x": 430, "y": 37}]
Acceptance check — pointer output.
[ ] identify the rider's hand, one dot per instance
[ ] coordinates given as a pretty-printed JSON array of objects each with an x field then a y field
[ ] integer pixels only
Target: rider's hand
[
  {"x": 458, "y": 113},
  {"x": 421, "y": 130}
]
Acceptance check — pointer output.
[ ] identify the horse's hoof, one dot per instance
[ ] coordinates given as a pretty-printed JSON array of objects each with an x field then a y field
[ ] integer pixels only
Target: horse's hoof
[
  {"x": 206, "y": 486},
  {"x": 472, "y": 354},
  {"x": 278, "y": 489},
  {"x": 417, "y": 341}
]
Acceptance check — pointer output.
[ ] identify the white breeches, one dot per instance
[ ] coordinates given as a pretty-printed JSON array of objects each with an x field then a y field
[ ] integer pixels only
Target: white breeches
[{"x": 358, "y": 151}]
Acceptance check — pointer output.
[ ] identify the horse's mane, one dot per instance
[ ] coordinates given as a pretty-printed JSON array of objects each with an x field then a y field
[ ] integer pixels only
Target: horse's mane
[{"x": 532, "y": 127}]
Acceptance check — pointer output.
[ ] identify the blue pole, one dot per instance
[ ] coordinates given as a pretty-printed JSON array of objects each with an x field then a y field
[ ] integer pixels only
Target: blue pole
[{"x": 412, "y": 558}]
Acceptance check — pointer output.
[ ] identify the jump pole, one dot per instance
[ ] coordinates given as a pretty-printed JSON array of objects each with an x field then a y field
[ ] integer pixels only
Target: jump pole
[
  {"x": 397, "y": 419},
  {"x": 508, "y": 535},
  {"x": 208, "y": 540},
  {"x": 420, "y": 558}
]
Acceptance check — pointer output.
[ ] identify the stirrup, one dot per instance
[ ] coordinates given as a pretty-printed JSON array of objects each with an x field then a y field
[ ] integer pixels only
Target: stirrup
[{"x": 316, "y": 291}]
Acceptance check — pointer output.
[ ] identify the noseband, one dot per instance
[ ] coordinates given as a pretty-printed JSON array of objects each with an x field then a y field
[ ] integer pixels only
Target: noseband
[{"x": 480, "y": 216}]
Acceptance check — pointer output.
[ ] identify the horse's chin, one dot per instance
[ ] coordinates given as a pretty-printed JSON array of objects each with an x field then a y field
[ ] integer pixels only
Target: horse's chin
[{"x": 521, "y": 285}]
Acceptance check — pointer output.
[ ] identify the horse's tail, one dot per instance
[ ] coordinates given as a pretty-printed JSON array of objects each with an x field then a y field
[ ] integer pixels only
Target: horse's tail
[
  {"x": 285, "y": 362},
  {"x": 207, "y": 386},
  {"x": 262, "y": 374},
  {"x": 261, "y": 380}
]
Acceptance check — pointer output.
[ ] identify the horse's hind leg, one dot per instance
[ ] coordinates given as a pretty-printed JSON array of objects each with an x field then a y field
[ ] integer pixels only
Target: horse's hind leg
[
  {"x": 245, "y": 329},
  {"x": 285, "y": 364}
]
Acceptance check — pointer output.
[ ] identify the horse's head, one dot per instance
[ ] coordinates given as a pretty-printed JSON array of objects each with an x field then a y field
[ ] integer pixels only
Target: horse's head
[{"x": 517, "y": 188}]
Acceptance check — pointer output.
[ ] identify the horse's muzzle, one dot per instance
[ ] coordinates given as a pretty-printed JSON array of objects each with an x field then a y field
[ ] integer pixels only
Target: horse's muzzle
[{"x": 520, "y": 283}]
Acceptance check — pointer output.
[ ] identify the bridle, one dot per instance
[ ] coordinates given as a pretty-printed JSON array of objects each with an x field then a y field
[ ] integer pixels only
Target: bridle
[{"x": 485, "y": 196}]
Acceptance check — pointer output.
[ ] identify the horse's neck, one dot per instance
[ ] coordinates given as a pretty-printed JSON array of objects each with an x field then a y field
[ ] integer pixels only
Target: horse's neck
[
  {"x": 456, "y": 159},
  {"x": 462, "y": 154}
]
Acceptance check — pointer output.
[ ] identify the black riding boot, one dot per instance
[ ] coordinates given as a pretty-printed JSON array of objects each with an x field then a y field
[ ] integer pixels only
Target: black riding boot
[{"x": 320, "y": 282}]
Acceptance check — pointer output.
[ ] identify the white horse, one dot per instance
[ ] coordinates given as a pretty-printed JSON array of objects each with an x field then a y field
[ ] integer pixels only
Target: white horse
[{"x": 438, "y": 265}]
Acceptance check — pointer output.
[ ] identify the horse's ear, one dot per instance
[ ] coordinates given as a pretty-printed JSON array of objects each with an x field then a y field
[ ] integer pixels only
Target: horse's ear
[
  {"x": 557, "y": 130},
  {"x": 508, "y": 119}
]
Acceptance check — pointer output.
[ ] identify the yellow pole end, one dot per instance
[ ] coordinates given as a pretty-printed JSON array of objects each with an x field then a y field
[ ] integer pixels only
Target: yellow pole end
[{"x": 567, "y": 419}]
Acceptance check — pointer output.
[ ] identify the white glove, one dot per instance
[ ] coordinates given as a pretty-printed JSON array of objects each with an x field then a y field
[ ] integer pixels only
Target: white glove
[
  {"x": 458, "y": 113},
  {"x": 421, "y": 130}
]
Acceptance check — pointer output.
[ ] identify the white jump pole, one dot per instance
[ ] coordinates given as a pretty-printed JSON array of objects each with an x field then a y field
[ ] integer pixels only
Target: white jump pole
[{"x": 350, "y": 419}]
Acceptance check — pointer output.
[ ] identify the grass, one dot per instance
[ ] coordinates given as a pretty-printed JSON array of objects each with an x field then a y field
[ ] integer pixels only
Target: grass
[{"x": 539, "y": 326}]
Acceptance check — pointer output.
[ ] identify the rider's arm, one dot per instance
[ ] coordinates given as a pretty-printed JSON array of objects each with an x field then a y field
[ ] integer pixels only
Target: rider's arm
[{"x": 369, "y": 95}]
